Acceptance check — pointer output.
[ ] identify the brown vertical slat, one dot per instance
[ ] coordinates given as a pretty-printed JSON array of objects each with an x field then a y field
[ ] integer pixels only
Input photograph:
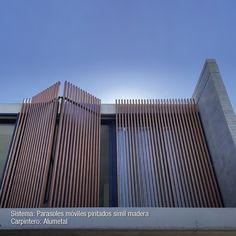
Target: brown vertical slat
[
  {"x": 69, "y": 150},
  {"x": 98, "y": 121},
  {"x": 70, "y": 187},
  {"x": 129, "y": 155},
  {"x": 85, "y": 154},
  {"x": 91, "y": 155},
  {"x": 82, "y": 170},
  {"x": 79, "y": 158},
  {"x": 118, "y": 150},
  {"x": 135, "y": 146},
  {"x": 123, "y": 155},
  {"x": 74, "y": 171},
  {"x": 88, "y": 154},
  {"x": 134, "y": 166}
]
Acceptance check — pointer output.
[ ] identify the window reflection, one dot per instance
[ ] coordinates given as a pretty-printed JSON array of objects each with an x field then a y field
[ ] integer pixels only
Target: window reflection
[
  {"x": 6, "y": 133},
  {"x": 135, "y": 162}
]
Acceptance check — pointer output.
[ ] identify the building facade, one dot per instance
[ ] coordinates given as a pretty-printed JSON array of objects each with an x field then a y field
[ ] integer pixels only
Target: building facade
[{"x": 73, "y": 151}]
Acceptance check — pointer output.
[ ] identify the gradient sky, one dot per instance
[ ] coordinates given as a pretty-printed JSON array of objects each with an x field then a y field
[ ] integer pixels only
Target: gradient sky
[{"x": 115, "y": 48}]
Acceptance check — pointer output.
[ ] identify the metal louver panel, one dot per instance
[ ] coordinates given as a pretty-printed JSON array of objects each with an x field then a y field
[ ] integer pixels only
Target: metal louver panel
[
  {"x": 75, "y": 177},
  {"x": 24, "y": 182},
  {"x": 162, "y": 156}
]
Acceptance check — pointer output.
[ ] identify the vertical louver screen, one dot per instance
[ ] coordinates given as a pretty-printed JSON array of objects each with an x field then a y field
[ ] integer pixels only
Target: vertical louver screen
[
  {"x": 75, "y": 177},
  {"x": 162, "y": 156},
  {"x": 25, "y": 178}
]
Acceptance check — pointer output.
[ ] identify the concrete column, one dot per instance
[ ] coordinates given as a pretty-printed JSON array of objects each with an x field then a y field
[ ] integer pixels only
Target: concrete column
[{"x": 219, "y": 123}]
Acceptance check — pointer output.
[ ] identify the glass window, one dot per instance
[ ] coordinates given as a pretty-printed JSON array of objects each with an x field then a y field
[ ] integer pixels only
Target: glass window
[
  {"x": 108, "y": 180},
  {"x": 104, "y": 165},
  {"x": 6, "y": 133}
]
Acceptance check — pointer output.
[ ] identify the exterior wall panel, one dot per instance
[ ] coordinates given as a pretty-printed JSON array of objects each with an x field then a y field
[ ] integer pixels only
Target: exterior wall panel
[{"x": 219, "y": 123}]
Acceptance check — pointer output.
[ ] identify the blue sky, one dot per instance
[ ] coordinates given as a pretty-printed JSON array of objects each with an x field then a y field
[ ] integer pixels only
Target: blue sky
[{"x": 115, "y": 48}]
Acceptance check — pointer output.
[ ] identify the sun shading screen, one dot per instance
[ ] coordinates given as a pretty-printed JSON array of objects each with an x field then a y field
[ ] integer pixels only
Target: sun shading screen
[
  {"x": 75, "y": 177},
  {"x": 25, "y": 178},
  {"x": 162, "y": 156}
]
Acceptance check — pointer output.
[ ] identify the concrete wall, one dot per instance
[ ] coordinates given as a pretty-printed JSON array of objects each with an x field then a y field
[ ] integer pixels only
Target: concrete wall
[{"x": 219, "y": 123}]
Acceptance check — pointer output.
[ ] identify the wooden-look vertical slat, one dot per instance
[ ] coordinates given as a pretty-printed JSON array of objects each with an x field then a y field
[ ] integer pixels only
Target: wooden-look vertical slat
[
  {"x": 159, "y": 188},
  {"x": 13, "y": 156},
  {"x": 202, "y": 196},
  {"x": 168, "y": 175},
  {"x": 147, "y": 156},
  {"x": 179, "y": 158},
  {"x": 83, "y": 162},
  {"x": 36, "y": 166},
  {"x": 24, "y": 183},
  {"x": 79, "y": 159},
  {"x": 75, "y": 180},
  {"x": 176, "y": 156},
  {"x": 162, "y": 156},
  {"x": 154, "y": 175},
  {"x": 92, "y": 183},
  {"x": 70, "y": 188},
  {"x": 167, "y": 133},
  {"x": 184, "y": 153},
  {"x": 133, "y": 154},
  {"x": 187, "y": 152},
  {"x": 196, "y": 196},
  {"x": 29, "y": 166},
  {"x": 140, "y": 184},
  {"x": 159, "y": 146}
]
